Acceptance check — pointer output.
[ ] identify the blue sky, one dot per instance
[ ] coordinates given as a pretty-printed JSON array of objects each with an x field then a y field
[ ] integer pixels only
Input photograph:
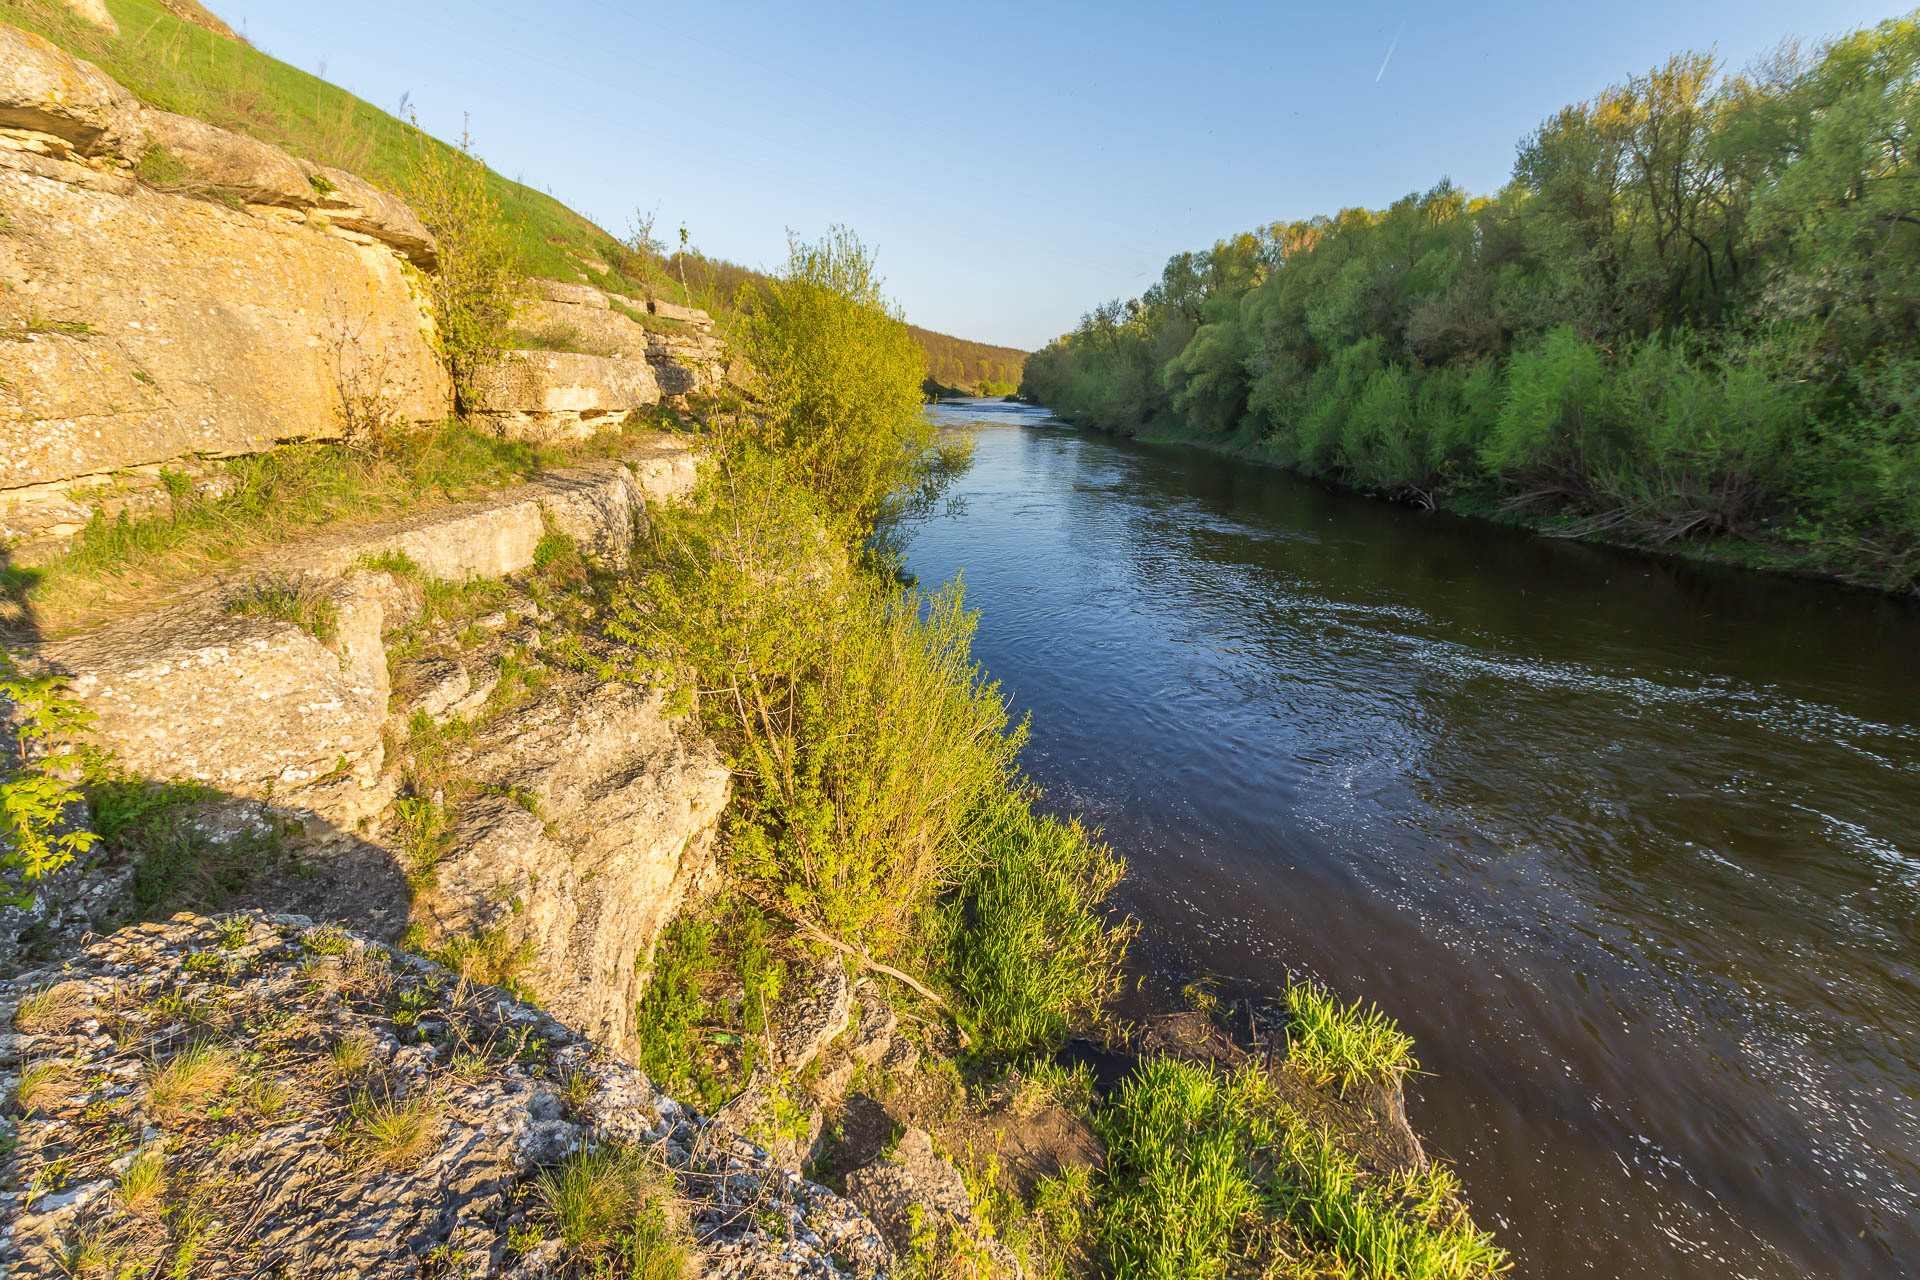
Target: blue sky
[{"x": 1012, "y": 165}]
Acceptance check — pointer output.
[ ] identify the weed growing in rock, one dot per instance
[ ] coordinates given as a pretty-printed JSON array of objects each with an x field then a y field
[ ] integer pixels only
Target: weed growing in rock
[
  {"x": 392, "y": 1132},
  {"x": 307, "y": 603},
  {"x": 612, "y": 1209},
  {"x": 349, "y": 1059},
  {"x": 190, "y": 1077},
  {"x": 39, "y": 1082},
  {"x": 51, "y": 1008},
  {"x": 144, "y": 1181},
  {"x": 1349, "y": 1043},
  {"x": 488, "y": 957}
]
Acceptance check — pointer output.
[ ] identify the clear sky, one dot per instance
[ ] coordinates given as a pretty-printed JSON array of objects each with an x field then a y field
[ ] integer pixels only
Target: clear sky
[{"x": 1012, "y": 164}]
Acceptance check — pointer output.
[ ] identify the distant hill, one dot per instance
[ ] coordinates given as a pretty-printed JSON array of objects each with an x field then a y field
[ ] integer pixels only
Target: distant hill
[{"x": 955, "y": 365}]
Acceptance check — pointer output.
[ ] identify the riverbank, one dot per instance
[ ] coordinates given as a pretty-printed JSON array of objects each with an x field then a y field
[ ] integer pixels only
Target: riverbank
[{"x": 1786, "y": 559}]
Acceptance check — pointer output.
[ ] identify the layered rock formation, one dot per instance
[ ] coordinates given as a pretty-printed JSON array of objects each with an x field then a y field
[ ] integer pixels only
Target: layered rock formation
[
  {"x": 315, "y": 1104},
  {"x": 173, "y": 291},
  {"x": 602, "y": 355},
  {"x": 261, "y": 298}
]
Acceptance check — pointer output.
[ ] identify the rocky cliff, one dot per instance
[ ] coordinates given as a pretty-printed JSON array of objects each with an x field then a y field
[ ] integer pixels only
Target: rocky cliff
[{"x": 171, "y": 291}]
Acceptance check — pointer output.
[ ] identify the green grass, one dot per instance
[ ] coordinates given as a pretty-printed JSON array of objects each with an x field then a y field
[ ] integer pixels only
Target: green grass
[
  {"x": 673, "y": 1016},
  {"x": 178, "y": 865},
  {"x": 1350, "y": 1043},
  {"x": 1210, "y": 1173},
  {"x": 1027, "y": 952},
  {"x": 271, "y": 498},
  {"x": 612, "y": 1209},
  {"x": 302, "y": 601}
]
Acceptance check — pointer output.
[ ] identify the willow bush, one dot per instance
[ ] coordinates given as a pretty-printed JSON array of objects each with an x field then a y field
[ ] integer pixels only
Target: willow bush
[{"x": 878, "y": 795}]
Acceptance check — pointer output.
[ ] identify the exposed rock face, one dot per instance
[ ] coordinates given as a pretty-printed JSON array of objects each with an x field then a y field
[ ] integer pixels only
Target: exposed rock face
[
  {"x": 152, "y": 325},
  {"x": 250, "y": 704},
  {"x": 603, "y": 818},
  {"x": 560, "y": 395},
  {"x": 610, "y": 357},
  {"x": 234, "y": 701},
  {"x": 279, "y": 1160}
]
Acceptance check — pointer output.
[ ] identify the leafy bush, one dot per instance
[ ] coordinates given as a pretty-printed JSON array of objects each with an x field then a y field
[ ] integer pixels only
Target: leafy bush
[
  {"x": 479, "y": 270},
  {"x": 861, "y": 729},
  {"x": 39, "y": 792},
  {"x": 842, "y": 378}
]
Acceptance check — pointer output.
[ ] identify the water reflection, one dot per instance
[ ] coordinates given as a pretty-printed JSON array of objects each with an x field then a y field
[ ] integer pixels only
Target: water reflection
[{"x": 1629, "y": 845}]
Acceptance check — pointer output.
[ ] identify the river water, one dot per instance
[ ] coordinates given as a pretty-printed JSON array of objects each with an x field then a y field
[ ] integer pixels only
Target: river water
[{"x": 1631, "y": 847}]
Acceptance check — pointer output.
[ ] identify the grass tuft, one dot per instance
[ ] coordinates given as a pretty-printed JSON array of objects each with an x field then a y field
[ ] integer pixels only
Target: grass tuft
[
  {"x": 612, "y": 1208},
  {"x": 144, "y": 1182},
  {"x": 393, "y": 1132},
  {"x": 39, "y": 1085},
  {"x": 198, "y": 1072},
  {"x": 1349, "y": 1043},
  {"x": 304, "y": 602}
]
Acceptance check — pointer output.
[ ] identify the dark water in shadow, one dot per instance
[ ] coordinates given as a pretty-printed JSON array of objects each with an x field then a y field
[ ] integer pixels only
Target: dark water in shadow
[{"x": 1633, "y": 848}]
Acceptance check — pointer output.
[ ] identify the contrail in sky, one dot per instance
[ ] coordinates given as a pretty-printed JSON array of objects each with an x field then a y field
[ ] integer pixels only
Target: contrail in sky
[{"x": 1389, "y": 58}]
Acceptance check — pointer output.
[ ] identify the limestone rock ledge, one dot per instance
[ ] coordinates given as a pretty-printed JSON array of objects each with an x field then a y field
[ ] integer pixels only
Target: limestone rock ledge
[
  {"x": 252, "y": 299},
  {"x": 271, "y": 1154}
]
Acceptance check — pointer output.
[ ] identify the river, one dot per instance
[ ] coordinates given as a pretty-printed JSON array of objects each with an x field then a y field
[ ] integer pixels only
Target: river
[{"x": 1632, "y": 847}]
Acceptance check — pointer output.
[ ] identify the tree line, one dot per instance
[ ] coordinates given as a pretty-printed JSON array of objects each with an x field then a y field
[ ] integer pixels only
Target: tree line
[{"x": 1693, "y": 313}]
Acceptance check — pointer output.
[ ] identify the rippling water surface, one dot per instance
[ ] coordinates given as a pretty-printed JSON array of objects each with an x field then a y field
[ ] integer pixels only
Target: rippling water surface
[{"x": 1632, "y": 848}]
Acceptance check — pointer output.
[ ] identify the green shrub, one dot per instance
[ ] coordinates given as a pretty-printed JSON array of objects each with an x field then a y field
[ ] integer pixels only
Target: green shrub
[
  {"x": 842, "y": 378},
  {"x": 479, "y": 270},
  {"x": 39, "y": 793},
  {"x": 862, "y": 731}
]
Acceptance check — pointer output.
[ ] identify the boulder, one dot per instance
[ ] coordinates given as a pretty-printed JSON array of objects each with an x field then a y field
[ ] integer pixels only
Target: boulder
[
  {"x": 232, "y": 162},
  {"x": 46, "y": 90},
  {"x": 815, "y": 1017},
  {"x": 602, "y": 819},
  {"x": 579, "y": 295},
  {"x": 160, "y": 326},
  {"x": 355, "y": 204},
  {"x": 594, "y": 330},
  {"x": 95, "y": 11},
  {"x": 241, "y": 703}
]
